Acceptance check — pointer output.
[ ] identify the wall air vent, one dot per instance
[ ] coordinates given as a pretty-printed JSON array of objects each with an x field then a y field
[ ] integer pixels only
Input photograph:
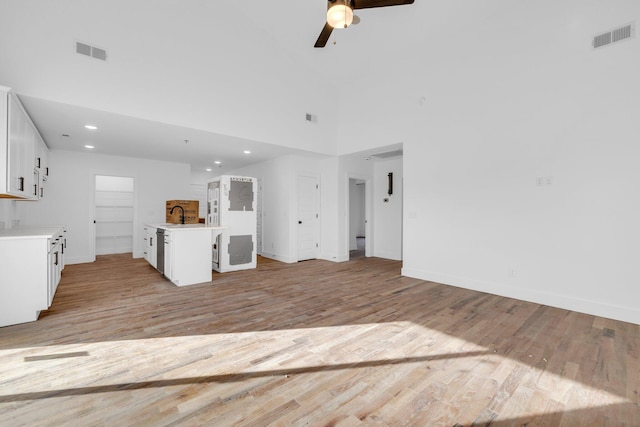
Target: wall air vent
[
  {"x": 616, "y": 35},
  {"x": 92, "y": 51},
  {"x": 388, "y": 154}
]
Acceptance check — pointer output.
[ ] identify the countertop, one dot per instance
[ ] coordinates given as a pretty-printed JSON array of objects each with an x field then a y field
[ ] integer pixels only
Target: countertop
[
  {"x": 172, "y": 227},
  {"x": 36, "y": 231}
]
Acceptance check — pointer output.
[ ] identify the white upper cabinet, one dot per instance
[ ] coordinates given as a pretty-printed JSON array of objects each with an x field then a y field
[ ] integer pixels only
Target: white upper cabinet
[{"x": 23, "y": 153}]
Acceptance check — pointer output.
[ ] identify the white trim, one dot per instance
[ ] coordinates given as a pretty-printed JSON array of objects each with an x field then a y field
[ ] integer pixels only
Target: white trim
[
  {"x": 92, "y": 198},
  {"x": 77, "y": 260},
  {"x": 596, "y": 308},
  {"x": 281, "y": 258}
]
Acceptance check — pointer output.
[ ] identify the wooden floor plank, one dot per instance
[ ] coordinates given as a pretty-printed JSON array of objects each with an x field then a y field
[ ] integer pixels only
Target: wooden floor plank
[{"x": 312, "y": 343}]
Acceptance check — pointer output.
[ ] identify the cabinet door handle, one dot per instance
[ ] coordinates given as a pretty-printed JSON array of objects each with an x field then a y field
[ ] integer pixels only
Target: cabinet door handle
[
  {"x": 151, "y": 241},
  {"x": 38, "y": 163},
  {"x": 41, "y": 192},
  {"x": 56, "y": 263},
  {"x": 35, "y": 189},
  {"x": 21, "y": 183},
  {"x": 46, "y": 171}
]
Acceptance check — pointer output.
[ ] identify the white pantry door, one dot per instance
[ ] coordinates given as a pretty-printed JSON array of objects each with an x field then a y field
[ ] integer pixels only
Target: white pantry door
[{"x": 308, "y": 191}]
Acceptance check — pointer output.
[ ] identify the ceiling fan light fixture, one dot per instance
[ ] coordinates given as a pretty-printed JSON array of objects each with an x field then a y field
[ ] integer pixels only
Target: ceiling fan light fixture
[{"x": 340, "y": 15}]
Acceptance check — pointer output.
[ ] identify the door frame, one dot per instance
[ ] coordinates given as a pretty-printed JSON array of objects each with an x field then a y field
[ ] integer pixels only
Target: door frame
[
  {"x": 92, "y": 201},
  {"x": 368, "y": 213}
]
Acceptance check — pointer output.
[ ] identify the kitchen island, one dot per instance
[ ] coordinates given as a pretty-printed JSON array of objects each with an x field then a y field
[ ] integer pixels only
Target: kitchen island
[{"x": 182, "y": 251}]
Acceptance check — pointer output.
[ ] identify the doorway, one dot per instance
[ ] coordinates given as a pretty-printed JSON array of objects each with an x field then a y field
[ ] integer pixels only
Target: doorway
[
  {"x": 114, "y": 214},
  {"x": 358, "y": 235},
  {"x": 308, "y": 223}
]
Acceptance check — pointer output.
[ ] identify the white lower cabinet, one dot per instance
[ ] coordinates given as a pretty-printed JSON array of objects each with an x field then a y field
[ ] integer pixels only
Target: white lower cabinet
[
  {"x": 31, "y": 262},
  {"x": 150, "y": 248},
  {"x": 187, "y": 255}
]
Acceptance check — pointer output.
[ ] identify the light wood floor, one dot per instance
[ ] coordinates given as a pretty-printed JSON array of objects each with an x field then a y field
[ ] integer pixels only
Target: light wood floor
[{"x": 314, "y": 343}]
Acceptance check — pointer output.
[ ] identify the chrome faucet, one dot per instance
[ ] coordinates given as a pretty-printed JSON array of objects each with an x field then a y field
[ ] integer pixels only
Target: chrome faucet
[{"x": 181, "y": 214}]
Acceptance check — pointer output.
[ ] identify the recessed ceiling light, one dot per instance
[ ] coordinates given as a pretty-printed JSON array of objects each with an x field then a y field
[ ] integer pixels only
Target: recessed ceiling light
[
  {"x": 217, "y": 162},
  {"x": 89, "y": 146},
  {"x": 91, "y": 127},
  {"x": 208, "y": 169},
  {"x": 247, "y": 152}
]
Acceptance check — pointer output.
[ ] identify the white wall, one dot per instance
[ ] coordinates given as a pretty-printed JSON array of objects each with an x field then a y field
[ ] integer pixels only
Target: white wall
[
  {"x": 502, "y": 107},
  {"x": 279, "y": 238},
  {"x": 69, "y": 197},
  {"x": 169, "y": 65},
  {"x": 388, "y": 214},
  {"x": 7, "y": 212}
]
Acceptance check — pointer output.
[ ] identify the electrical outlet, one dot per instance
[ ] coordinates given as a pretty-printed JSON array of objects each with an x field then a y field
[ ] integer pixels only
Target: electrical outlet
[
  {"x": 548, "y": 180},
  {"x": 539, "y": 181}
]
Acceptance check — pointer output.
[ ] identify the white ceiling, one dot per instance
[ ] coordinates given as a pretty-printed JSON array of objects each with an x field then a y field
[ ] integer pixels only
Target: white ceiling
[{"x": 288, "y": 27}]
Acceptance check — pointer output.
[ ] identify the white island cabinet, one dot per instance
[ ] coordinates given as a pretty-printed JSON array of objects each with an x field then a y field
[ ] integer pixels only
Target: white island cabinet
[
  {"x": 31, "y": 263},
  {"x": 187, "y": 252}
]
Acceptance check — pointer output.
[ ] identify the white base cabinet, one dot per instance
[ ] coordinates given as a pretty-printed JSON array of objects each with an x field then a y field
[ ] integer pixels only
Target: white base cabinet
[
  {"x": 187, "y": 251},
  {"x": 31, "y": 262},
  {"x": 150, "y": 248}
]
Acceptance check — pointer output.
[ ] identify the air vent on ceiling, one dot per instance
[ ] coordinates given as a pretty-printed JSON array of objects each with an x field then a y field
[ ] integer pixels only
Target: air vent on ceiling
[
  {"x": 616, "y": 35},
  {"x": 388, "y": 154},
  {"x": 92, "y": 51}
]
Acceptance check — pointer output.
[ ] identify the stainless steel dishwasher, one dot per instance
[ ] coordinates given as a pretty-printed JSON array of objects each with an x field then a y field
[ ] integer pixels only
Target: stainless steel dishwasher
[{"x": 160, "y": 249}]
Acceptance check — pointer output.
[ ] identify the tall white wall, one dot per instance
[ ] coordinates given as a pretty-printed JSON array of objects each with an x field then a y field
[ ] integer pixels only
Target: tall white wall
[
  {"x": 167, "y": 64},
  {"x": 69, "y": 197},
  {"x": 486, "y": 115},
  {"x": 388, "y": 209}
]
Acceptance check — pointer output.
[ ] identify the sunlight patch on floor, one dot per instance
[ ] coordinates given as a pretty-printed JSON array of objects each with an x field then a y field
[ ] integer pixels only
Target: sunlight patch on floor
[{"x": 383, "y": 348}]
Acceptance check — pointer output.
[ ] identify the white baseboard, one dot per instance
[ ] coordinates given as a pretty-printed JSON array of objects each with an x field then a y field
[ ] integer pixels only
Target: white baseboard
[
  {"x": 277, "y": 257},
  {"x": 596, "y": 308},
  {"x": 334, "y": 258},
  {"x": 387, "y": 255},
  {"x": 77, "y": 260}
]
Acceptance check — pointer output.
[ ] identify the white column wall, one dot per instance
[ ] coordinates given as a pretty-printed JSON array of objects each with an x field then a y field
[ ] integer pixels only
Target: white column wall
[{"x": 484, "y": 118}]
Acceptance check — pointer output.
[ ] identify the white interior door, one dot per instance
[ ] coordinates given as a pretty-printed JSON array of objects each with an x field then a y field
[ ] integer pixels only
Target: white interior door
[{"x": 308, "y": 190}]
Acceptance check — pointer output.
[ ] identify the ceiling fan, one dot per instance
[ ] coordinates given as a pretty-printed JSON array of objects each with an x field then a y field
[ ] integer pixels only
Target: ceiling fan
[{"x": 340, "y": 14}]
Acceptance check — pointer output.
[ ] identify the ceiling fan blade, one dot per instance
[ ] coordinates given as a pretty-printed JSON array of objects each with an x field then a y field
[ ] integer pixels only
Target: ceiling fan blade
[
  {"x": 324, "y": 36},
  {"x": 368, "y": 4}
]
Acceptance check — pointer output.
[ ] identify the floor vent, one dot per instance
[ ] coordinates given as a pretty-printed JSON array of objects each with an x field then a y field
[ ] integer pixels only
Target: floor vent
[
  {"x": 92, "y": 51},
  {"x": 616, "y": 35}
]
